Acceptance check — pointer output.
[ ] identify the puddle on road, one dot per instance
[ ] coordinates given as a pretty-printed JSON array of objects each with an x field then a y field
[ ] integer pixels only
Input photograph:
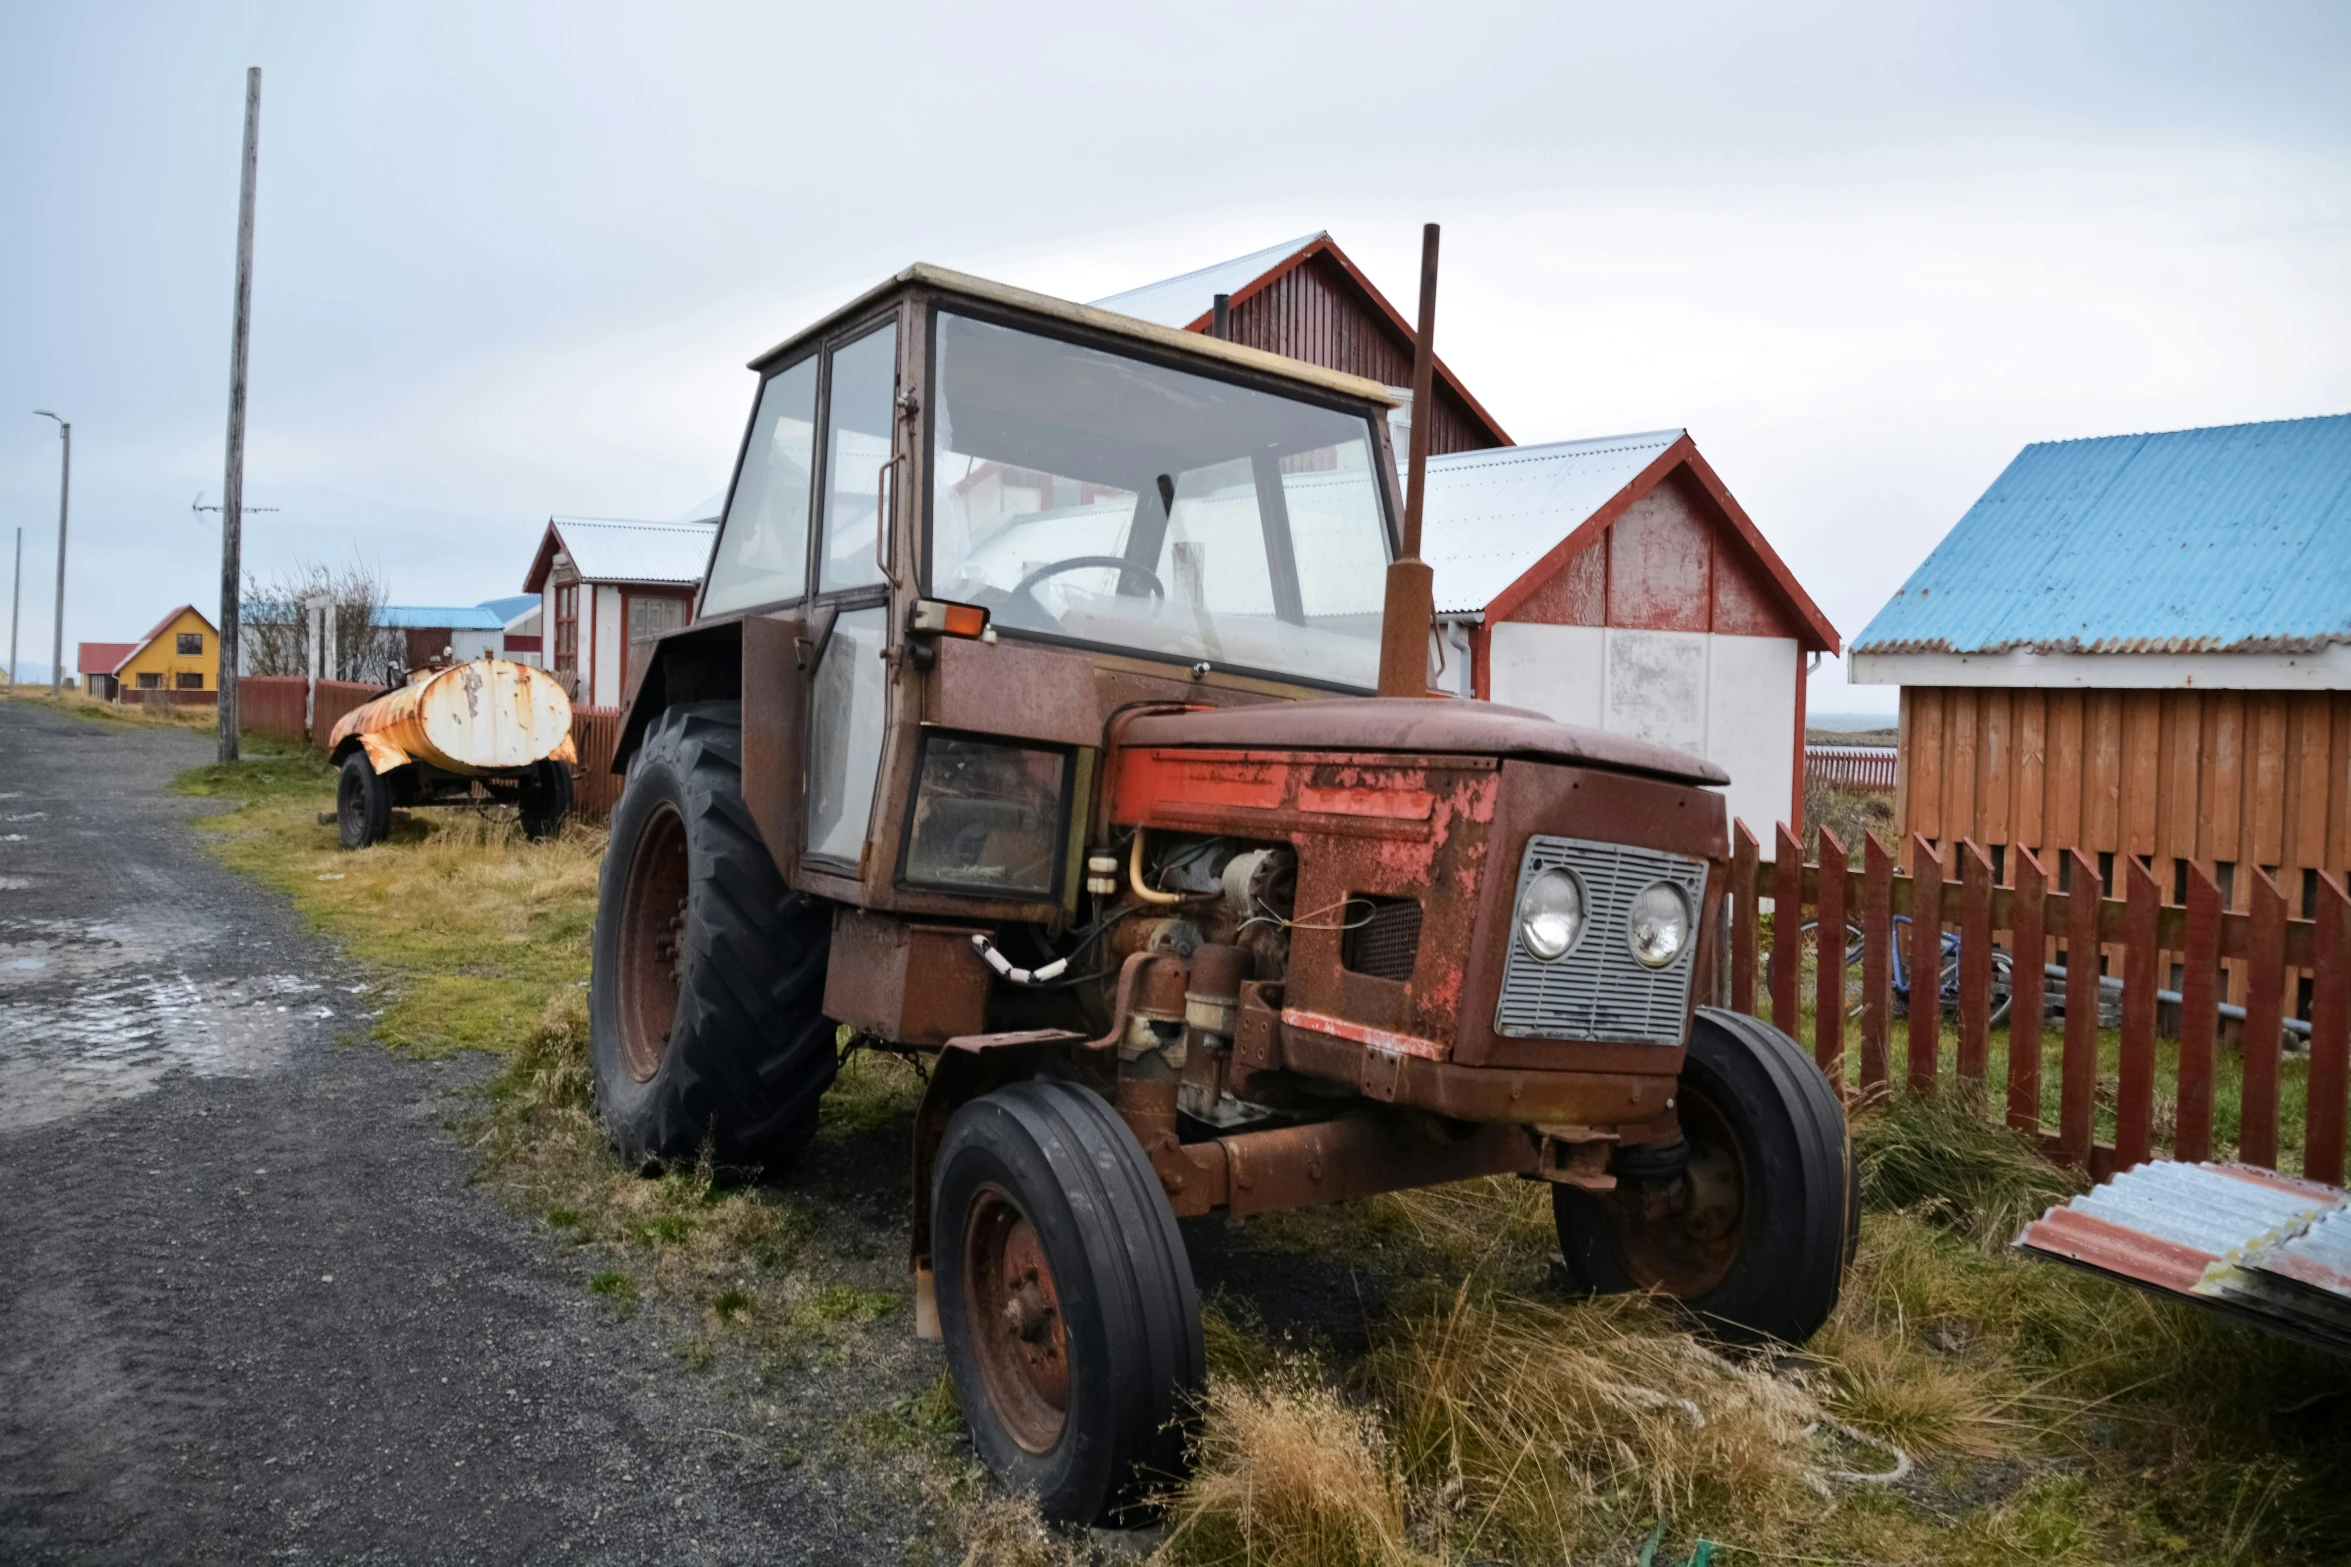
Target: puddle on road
[{"x": 92, "y": 1011}]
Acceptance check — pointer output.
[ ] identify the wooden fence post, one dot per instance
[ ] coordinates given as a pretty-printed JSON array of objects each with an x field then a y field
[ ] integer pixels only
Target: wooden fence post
[
  {"x": 1743, "y": 918},
  {"x": 1828, "y": 973},
  {"x": 1975, "y": 962},
  {"x": 1926, "y": 963},
  {"x": 1877, "y": 967},
  {"x": 2134, "y": 1095},
  {"x": 2077, "y": 1088},
  {"x": 2199, "y": 1016},
  {"x": 1787, "y": 931},
  {"x": 2265, "y": 983},
  {"x": 2027, "y": 987},
  {"x": 2330, "y": 1033}
]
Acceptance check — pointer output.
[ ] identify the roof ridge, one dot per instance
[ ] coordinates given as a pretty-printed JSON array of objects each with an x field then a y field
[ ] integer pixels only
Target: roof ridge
[
  {"x": 1285, "y": 247},
  {"x": 2193, "y": 429}
]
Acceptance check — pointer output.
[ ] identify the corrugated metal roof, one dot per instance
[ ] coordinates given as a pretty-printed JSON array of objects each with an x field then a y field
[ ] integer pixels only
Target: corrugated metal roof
[
  {"x": 1180, "y": 301},
  {"x": 512, "y": 605},
  {"x": 2251, "y": 1242},
  {"x": 609, "y": 549},
  {"x": 1491, "y": 514},
  {"x": 2231, "y": 539},
  {"x": 426, "y": 617}
]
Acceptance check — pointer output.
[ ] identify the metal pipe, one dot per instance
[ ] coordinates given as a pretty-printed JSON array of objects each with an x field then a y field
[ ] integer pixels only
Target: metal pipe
[
  {"x": 1411, "y": 602},
  {"x": 2229, "y": 1010},
  {"x": 1220, "y": 320}
]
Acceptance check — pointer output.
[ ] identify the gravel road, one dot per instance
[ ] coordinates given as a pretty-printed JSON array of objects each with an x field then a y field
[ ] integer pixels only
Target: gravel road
[{"x": 249, "y": 1307}]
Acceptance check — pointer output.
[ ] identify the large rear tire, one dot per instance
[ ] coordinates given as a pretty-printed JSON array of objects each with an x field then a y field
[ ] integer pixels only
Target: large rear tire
[
  {"x": 1753, "y": 1228},
  {"x": 705, "y": 998},
  {"x": 1065, "y": 1298}
]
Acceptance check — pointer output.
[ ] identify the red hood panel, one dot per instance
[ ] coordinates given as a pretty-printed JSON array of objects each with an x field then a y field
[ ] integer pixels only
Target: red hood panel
[{"x": 1424, "y": 725}]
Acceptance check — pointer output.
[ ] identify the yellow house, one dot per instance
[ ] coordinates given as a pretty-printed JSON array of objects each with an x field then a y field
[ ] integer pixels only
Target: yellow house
[{"x": 182, "y": 653}]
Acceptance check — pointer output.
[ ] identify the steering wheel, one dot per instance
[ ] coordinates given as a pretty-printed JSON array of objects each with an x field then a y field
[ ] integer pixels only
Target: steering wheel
[{"x": 1028, "y": 584}]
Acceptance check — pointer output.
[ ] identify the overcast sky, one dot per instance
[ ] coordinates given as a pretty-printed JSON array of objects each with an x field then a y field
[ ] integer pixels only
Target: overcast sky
[{"x": 511, "y": 259}]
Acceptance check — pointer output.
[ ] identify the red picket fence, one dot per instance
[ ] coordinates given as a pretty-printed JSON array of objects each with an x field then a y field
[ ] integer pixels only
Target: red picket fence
[
  {"x": 595, "y": 786},
  {"x": 1868, "y": 767},
  {"x": 2140, "y": 937}
]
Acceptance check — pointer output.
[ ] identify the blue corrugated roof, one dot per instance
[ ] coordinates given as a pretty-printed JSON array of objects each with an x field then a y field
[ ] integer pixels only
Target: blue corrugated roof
[
  {"x": 427, "y": 617},
  {"x": 2231, "y": 539}
]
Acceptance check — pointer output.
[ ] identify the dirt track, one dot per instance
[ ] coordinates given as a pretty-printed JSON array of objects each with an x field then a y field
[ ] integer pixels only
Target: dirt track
[{"x": 248, "y": 1305}]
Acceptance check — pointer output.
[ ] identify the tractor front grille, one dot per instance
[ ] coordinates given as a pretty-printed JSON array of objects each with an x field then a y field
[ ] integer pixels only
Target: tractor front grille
[
  {"x": 1598, "y": 990},
  {"x": 1383, "y": 936}
]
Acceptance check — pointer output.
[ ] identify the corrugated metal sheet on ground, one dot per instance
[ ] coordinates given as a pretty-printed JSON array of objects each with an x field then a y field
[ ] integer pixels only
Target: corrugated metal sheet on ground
[
  {"x": 2258, "y": 1245},
  {"x": 1490, "y": 515},
  {"x": 1180, "y": 301},
  {"x": 2236, "y": 538},
  {"x": 613, "y": 550}
]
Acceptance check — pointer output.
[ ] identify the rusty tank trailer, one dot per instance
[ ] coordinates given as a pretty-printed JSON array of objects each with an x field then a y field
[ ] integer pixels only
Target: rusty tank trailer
[
  {"x": 1029, "y": 718},
  {"x": 456, "y": 734}
]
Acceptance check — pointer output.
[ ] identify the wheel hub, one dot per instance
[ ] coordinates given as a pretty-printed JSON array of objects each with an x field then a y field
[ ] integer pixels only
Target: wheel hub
[
  {"x": 653, "y": 948},
  {"x": 1682, "y": 1231},
  {"x": 1014, "y": 1309}
]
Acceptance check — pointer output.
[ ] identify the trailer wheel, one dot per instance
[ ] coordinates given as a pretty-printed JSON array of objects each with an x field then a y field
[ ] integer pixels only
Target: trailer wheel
[
  {"x": 545, "y": 798},
  {"x": 363, "y": 804},
  {"x": 1751, "y": 1222},
  {"x": 1065, "y": 1299},
  {"x": 707, "y": 979}
]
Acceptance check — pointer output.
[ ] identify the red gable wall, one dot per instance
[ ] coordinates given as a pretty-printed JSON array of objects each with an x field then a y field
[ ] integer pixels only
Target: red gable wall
[{"x": 1667, "y": 563}]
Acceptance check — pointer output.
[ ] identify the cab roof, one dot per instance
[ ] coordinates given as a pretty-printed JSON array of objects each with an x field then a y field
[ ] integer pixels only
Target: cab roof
[{"x": 1190, "y": 344}]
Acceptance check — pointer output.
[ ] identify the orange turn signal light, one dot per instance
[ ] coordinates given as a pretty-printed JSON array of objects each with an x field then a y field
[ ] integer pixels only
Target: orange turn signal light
[{"x": 938, "y": 617}]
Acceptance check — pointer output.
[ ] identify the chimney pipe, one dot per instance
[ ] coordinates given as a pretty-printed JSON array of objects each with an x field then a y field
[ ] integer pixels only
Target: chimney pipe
[{"x": 1221, "y": 323}]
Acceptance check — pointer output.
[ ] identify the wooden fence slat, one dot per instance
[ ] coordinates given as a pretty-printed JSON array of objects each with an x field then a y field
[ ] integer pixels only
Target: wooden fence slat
[
  {"x": 2134, "y": 1098},
  {"x": 2026, "y": 988},
  {"x": 2199, "y": 1017},
  {"x": 1743, "y": 918},
  {"x": 2078, "y": 1073},
  {"x": 2330, "y": 1035},
  {"x": 1975, "y": 962},
  {"x": 1828, "y": 975},
  {"x": 1787, "y": 920},
  {"x": 1926, "y": 962},
  {"x": 1877, "y": 967},
  {"x": 2265, "y": 979}
]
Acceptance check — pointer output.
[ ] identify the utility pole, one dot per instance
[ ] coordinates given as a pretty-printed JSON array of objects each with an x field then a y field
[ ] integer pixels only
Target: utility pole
[
  {"x": 233, "y": 488},
  {"x": 64, "y": 490},
  {"x": 15, "y": 604}
]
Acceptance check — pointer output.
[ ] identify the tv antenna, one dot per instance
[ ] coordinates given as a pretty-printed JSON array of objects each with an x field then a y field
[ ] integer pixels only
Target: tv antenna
[{"x": 198, "y": 507}]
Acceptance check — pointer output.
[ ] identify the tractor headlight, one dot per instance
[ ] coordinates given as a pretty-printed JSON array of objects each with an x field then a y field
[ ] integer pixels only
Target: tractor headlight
[
  {"x": 1660, "y": 924},
  {"x": 1551, "y": 914}
]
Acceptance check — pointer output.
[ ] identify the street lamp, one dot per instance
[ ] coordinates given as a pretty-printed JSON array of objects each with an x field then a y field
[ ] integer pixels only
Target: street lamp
[{"x": 64, "y": 488}]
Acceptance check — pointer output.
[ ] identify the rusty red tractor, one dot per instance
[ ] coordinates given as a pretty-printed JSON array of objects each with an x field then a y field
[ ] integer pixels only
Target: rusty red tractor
[{"x": 1026, "y": 719}]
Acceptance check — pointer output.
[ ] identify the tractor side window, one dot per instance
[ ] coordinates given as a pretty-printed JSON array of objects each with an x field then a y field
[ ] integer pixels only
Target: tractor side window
[
  {"x": 845, "y": 735},
  {"x": 762, "y": 554},
  {"x": 859, "y": 412}
]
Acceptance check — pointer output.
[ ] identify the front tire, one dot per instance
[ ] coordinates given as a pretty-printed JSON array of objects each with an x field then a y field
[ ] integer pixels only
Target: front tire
[
  {"x": 363, "y": 804},
  {"x": 1753, "y": 1229},
  {"x": 707, "y": 983},
  {"x": 1065, "y": 1298}
]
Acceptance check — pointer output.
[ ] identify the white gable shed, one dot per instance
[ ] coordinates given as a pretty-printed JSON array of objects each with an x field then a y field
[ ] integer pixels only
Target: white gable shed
[{"x": 608, "y": 587}]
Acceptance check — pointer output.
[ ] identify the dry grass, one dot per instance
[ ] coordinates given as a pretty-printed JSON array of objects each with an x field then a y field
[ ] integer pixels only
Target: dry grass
[
  {"x": 1288, "y": 1471},
  {"x": 79, "y": 703}
]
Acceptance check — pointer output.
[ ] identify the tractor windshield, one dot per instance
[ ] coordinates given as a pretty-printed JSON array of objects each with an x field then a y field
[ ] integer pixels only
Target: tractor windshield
[{"x": 1085, "y": 496}]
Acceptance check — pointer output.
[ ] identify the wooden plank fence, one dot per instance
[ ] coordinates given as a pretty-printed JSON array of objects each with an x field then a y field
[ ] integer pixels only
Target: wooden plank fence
[
  {"x": 1870, "y": 767},
  {"x": 272, "y": 705},
  {"x": 1869, "y": 921}
]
